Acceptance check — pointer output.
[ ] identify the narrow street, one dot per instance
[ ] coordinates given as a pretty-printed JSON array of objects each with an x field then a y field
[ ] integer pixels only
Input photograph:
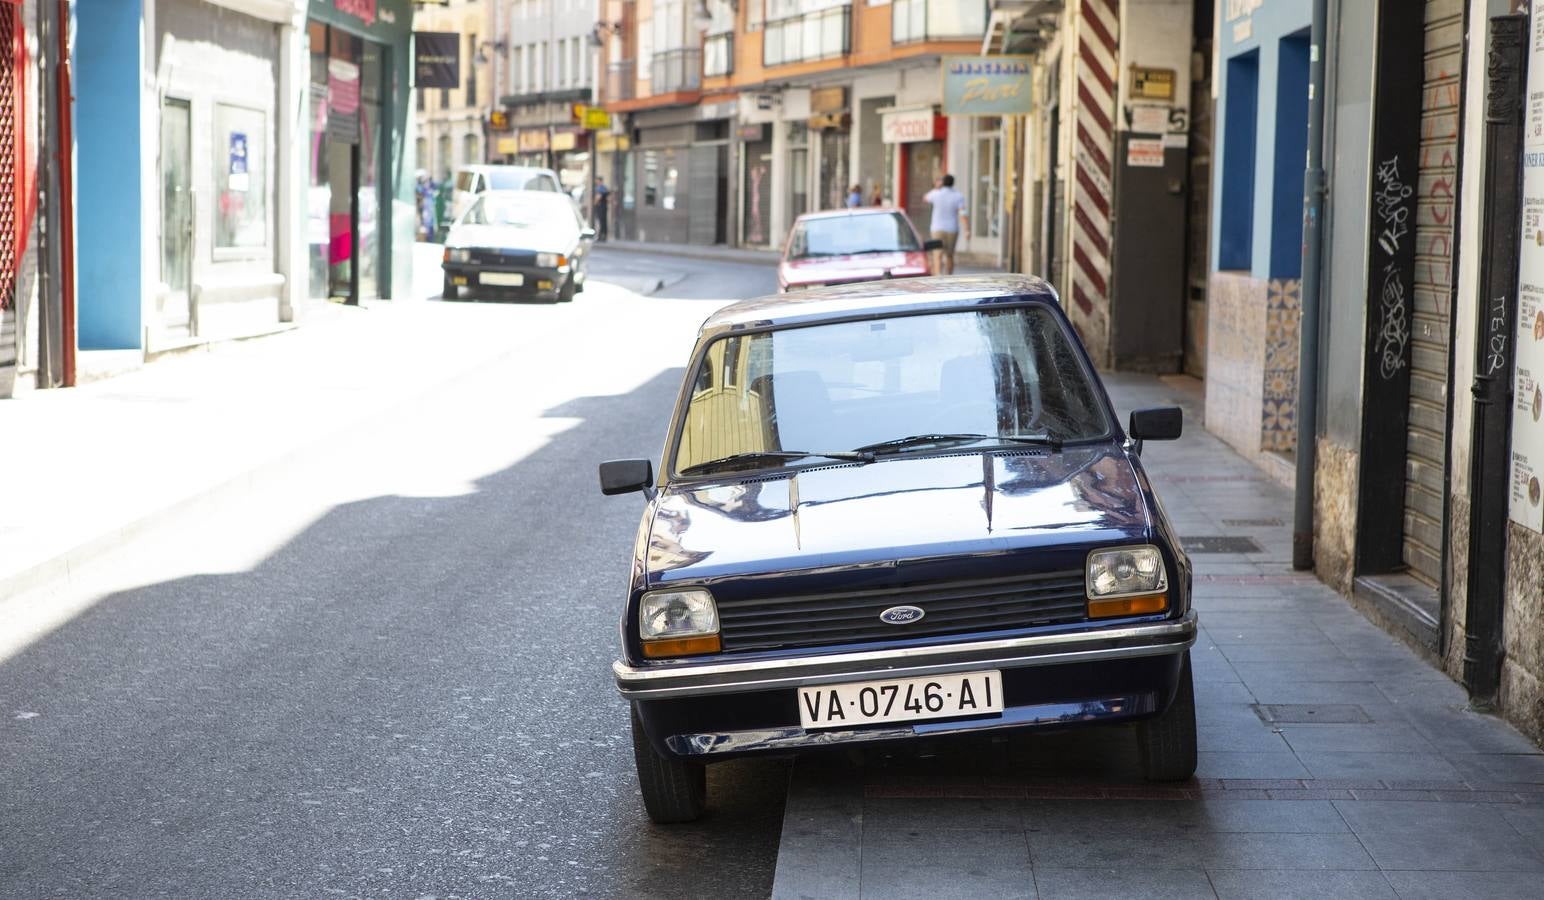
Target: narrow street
[{"x": 381, "y": 668}]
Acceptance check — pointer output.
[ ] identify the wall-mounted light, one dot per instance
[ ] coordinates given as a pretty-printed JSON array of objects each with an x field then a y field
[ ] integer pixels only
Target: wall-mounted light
[{"x": 499, "y": 47}]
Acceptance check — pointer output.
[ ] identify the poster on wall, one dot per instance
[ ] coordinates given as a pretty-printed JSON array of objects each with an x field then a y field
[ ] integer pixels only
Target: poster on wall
[{"x": 1527, "y": 476}]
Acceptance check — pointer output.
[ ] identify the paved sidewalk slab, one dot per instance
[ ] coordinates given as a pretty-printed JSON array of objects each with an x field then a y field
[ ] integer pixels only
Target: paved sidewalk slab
[{"x": 1365, "y": 776}]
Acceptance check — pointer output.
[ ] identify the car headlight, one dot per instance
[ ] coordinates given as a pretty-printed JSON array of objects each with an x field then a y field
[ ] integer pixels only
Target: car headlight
[
  {"x": 677, "y": 623},
  {"x": 458, "y": 254},
  {"x": 1126, "y": 581},
  {"x": 551, "y": 260}
]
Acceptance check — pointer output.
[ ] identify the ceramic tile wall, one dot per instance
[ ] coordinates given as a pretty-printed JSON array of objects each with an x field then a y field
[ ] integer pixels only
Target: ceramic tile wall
[{"x": 1278, "y": 425}]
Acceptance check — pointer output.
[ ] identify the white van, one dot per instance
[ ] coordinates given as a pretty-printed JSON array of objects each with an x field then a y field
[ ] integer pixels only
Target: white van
[{"x": 473, "y": 180}]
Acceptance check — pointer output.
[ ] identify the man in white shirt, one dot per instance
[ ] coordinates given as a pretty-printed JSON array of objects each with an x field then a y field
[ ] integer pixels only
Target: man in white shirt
[{"x": 948, "y": 218}]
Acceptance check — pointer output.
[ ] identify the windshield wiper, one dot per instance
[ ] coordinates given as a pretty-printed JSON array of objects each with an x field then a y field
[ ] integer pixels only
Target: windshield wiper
[
  {"x": 904, "y": 443},
  {"x": 751, "y": 457}
]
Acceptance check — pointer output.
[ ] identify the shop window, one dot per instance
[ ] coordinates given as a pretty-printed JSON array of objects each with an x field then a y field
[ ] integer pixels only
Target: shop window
[
  {"x": 1235, "y": 227},
  {"x": 988, "y": 199},
  {"x": 469, "y": 149},
  {"x": 629, "y": 182},
  {"x": 667, "y": 199},
  {"x": 240, "y": 177},
  {"x": 933, "y": 20},
  {"x": 650, "y": 178},
  {"x": 1291, "y": 150},
  {"x": 444, "y": 156}
]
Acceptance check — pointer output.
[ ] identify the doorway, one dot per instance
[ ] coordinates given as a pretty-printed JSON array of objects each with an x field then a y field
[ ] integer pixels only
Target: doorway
[
  {"x": 174, "y": 305},
  {"x": 923, "y": 165}
]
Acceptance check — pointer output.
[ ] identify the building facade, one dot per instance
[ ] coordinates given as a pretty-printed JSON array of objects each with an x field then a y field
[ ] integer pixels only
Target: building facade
[
  {"x": 733, "y": 119},
  {"x": 546, "y": 63},
  {"x": 453, "y": 123}
]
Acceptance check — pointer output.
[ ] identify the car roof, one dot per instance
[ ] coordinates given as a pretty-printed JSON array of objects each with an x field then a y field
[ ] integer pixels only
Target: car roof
[
  {"x": 877, "y": 299},
  {"x": 486, "y": 167},
  {"x": 848, "y": 213},
  {"x": 531, "y": 196}
]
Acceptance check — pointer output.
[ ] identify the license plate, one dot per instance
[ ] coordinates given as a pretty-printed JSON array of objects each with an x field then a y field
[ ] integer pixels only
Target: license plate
[
  {"x": 502, "y": 279},
  {"x": 901, "y": 700}
]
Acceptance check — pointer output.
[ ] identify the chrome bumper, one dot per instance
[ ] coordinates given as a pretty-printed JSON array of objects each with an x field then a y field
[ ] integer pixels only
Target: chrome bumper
[{"x": 685, "y": 678}]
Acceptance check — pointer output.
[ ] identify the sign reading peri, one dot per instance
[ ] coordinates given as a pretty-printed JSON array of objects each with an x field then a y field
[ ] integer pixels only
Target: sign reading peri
[{"x": 987, "y": 85}]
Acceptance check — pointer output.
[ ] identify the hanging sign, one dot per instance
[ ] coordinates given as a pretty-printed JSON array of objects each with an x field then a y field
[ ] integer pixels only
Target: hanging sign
[
  {"x": 987, "y": 85},
  {"x": 436, "y": 59},
  {"x": 343, "y": 100}
]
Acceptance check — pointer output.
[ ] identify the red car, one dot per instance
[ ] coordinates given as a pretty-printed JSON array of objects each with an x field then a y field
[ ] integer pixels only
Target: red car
[{"x": 846, "y": 245}]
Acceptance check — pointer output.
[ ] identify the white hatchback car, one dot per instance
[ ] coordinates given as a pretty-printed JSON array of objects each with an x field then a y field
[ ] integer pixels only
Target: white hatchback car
[{"x": 473, "y": 180}]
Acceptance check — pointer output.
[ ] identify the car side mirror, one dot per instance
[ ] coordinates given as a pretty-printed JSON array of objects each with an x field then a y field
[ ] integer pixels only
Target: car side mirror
[
  {"x": 1158, "y": 423},
  {"x": 624, "y": 476},
  {"x": 587, "y": 234},
  {"x": 930, "y": 246}
]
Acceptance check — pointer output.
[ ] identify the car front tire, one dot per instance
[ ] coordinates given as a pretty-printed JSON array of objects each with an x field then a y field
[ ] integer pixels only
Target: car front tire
[
  {"x": 449, "y": 291},
  {"x": 673, "y": 791},
  {"x": 566, "y": 292},
  {"x": 1168, "y": 742}
]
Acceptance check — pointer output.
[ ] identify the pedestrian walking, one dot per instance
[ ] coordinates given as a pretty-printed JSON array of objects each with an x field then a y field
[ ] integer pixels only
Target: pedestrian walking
[
  {"x": 602, "y": 207},
  {"x": 948, "y": 218},
  {"x": 855, "y": 197}
]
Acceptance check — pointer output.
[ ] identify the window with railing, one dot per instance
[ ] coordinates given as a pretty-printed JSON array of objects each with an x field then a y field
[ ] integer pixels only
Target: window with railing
[
  {"x": 718, "y": 54},
  {"x": 936, "y": 20},
  {"x": 799, "y": 30},
  {"x": 676, "y": 70},
  {"x": 619, "y": 79}
]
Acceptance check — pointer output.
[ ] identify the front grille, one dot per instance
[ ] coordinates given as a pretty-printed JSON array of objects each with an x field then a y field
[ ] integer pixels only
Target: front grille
[
  {"x": 504, "y": 257},
  {"x": 850, "y": 618}
]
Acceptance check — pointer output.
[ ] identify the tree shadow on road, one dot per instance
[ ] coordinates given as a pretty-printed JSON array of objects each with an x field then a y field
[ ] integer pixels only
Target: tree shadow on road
[{"x": 412, "y": 696}]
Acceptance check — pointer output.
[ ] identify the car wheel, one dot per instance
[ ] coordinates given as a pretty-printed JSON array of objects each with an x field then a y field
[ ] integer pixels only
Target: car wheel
[
  {"x": 450, "y": 291},
  {"x": 1168, "y": 742},
  {"x": 566, "y": 292},
  {"x": 673, "y": 791}
]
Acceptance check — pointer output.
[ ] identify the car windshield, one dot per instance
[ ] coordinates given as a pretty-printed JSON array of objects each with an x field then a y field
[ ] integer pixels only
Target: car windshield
[
  {"x": 547, "y": 212},
  {"x": 516, "y": 180},
  {"x": 844, "y": 235},
  {"x": 979, "y": 378}
]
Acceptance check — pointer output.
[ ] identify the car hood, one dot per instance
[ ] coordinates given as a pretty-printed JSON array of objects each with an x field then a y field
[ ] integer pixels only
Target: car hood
[
  {"x": 901, "y": 512},
  {"x": 502, "y": 237},
  {"x": 863, "y": 267}
]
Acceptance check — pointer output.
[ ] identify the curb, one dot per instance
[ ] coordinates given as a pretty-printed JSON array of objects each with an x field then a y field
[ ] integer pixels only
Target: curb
[{"x": 691, "y": 251}]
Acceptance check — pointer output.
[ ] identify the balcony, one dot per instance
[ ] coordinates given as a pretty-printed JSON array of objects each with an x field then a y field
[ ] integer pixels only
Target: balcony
[
  {"x": 718, "y": 55},
  {"x": 621, "y": 80},
  {"x": 912, "y": 21},
  {"x": 676, "y": 70},
  {"x": 809, "y": 36}
]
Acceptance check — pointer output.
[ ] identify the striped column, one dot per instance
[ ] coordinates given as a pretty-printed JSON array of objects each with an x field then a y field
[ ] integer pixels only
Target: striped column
[{"x": 1097, "y": 69}]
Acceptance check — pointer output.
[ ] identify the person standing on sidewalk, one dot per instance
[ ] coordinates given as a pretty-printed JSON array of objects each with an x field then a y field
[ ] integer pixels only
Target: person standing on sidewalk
[
  {"x": 948, "y": 218},
  {"x": 602, "y": 207},
  {"x": 855, "y": 197}
]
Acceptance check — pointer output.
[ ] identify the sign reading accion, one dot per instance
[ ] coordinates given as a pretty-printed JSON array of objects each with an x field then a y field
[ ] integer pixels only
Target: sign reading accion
[{"x": 907, "y": 126}]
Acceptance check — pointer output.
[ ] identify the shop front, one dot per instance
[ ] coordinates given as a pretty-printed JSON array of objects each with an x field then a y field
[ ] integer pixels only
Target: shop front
[
  {"x": 680, "y": 174},
  {"x": 919, "y": 136},
  {"x": 831, "y": 123},
  {"x": 360, "y": 200}
]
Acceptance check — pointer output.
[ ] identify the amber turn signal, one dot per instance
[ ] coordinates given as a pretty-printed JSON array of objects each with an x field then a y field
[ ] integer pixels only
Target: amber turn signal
[
  {"x": 1140, "y": 605},
  {"x": 682, "y": 646}
]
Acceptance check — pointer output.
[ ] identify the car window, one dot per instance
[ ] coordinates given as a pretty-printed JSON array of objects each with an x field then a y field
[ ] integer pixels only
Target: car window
[
  {"x": 548, "y": 184},
  {"x": 526, "y": 210},
  {"x": 844, "y": 235},
  {"x": 509, "y": 180},
  {"x": 843, "y": 385},
  {"x": 464, "y": 181}
]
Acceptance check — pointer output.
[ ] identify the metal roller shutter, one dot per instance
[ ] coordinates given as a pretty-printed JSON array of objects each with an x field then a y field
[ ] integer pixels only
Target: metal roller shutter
[{"x": 1435, "y": 208}]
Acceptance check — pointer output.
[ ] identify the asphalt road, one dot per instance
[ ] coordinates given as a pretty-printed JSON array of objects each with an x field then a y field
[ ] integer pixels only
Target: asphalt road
[{"x": 403, "y": 692}]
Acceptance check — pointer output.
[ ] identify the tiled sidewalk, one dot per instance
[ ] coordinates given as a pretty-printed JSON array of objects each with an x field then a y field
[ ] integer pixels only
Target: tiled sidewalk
[{"x": 1333, "y": 761}]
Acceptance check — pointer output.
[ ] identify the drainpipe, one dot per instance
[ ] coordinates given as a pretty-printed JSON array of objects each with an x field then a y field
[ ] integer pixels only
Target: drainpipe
[
  {"x": 1308, "y": 321},
  {"x": 65, "y": 160},
  {"x": 1490, "y": 449}
]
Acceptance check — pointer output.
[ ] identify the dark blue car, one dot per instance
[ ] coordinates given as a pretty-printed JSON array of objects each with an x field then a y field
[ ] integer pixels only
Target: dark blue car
[{"x": 893, "y": 510}]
